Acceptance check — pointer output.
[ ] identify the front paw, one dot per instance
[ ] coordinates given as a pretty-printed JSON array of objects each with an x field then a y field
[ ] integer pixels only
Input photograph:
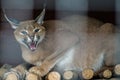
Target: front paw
[
  {"x": 13, "y": 75},
  {"x": 41, "y": 71},
  {"x": 35, "y": 70}
]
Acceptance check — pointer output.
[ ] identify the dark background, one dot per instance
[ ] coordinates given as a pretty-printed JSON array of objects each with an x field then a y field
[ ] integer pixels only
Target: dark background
[{"x": 104, "y": 10}]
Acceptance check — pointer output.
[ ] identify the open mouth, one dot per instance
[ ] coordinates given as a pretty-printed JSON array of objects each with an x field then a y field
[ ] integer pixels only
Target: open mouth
[{"x": 32, "y": 46}]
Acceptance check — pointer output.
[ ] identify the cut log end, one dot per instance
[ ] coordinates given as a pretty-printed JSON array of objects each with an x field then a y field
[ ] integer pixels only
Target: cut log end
[
  {"x": 68, "y": 75},
  {"x": 11, "y": 77},
  {"x": 54, "y": 76},
  {"x": 32, "y": 76},
  {"x": 4, "y": 69},
  {"x": 87, "y": 73},
  {"x": 107, "y": 73},
  {"x": 117, "y": 69}
]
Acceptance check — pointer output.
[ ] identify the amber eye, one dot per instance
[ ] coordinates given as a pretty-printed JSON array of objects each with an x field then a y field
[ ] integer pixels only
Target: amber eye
[
  {"x": 24, "y": 32},
  {"x": 36, "y": 30}
]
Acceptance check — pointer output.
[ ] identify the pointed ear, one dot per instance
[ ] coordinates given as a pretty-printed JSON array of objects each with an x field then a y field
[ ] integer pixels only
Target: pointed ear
[
  {"x": 14, "y": 23},
  {"x": 40, "y": 18}
]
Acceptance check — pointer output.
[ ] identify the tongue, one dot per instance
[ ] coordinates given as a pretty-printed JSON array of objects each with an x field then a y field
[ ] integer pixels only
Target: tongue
[{"x": 32, "y": 46}]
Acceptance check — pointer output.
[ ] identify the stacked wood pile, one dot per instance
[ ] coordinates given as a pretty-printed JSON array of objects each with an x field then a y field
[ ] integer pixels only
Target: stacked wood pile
[
  {"x": 111, "y": 73},
  {"x": 5, "y": 68}
]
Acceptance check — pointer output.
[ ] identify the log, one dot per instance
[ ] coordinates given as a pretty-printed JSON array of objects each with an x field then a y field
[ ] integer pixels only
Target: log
[
  {"x": 107, "y": 73},
  {"x": 117, "y": 69},
  {"x": 11, "y": 76},
  {"x": 16, "y": 73},
  {"x": 109, "y": 79},
  {"x": 115, "y": 79},
  {"x": 32, "y": 76},
  {"x": 87, "y": 73},
  {"x": 5, "y": 68},
  {"x": 53, "y": 76},
  {"x": 70, "y": 75},
  {"x": 104, "y": 73}
]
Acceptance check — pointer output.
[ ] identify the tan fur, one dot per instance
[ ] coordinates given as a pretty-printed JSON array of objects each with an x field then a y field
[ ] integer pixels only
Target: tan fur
[{"x": 72, "y": 43}]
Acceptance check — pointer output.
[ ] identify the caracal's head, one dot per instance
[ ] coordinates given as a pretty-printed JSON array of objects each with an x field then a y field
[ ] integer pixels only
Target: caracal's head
[{"x": 29, "y": 33}]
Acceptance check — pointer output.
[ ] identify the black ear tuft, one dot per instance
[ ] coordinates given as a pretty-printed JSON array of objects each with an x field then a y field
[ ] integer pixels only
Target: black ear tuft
[
  {"x": 40, "y": 18},
  {"x": 14, "y": 23}
]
